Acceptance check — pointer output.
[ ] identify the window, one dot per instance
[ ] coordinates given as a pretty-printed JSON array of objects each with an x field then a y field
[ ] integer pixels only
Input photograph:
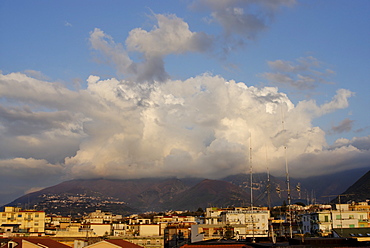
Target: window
[
  {"x": 326, "y": 218},
  {"x": 351, "y": 226},
  {"x": 338, "y": 217}
]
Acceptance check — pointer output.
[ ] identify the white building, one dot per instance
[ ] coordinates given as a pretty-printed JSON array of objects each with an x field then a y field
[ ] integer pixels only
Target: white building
[
  {"x": 249, "y": 222},
  {"x": 344, "y": 216},
  {"x": 243, "y": 222}
]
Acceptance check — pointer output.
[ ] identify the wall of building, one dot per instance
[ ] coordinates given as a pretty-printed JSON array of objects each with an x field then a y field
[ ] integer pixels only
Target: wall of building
[{"x": 29, "y": 220}]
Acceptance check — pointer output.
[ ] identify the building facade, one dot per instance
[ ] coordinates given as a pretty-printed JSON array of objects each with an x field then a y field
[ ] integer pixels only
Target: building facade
[
  {"x": 29, "y": 221},
  {"x": 343, "y": 216}
]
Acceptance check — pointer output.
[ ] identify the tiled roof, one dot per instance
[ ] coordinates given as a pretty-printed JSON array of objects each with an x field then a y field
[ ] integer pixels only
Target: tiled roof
[
  {"x": 45, "y": 242},
  {"x": 353, "y": 232},
  {"x": 123, "y": 243},
  {"x": 216, "y": 246}
]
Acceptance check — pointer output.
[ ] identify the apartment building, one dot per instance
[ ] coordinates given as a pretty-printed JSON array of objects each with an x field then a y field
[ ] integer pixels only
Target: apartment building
[
  {"x": 56, "y": 220},
  {"x": 173, "y": 219},
  {"x": 247, "y": 222},
  {"x": 240, "y": 222},
  {"x": 29, "y": 221},
  {"x": 145, "y": 235},
  {"x": 343, "y": 216},
  {"x": 100, "y": 217}
]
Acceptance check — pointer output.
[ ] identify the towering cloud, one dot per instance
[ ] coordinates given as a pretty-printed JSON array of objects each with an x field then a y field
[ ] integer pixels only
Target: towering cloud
[
  {"x": 171, "y": 35},
  {"x": 198, "y": 127}
]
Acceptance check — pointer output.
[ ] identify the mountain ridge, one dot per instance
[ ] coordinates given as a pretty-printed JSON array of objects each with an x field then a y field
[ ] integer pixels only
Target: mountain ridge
[{"x": 161, "y": 194}]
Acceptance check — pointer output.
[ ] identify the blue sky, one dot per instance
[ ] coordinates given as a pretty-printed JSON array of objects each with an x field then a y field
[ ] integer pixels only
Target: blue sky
[{"x": 62, "y": 60}]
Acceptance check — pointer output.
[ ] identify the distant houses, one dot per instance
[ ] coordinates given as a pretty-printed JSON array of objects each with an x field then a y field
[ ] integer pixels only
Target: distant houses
[{"x": 176, "y": 229}]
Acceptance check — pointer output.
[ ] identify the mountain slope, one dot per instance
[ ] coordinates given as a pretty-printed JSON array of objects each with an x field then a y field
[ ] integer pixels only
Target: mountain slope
[
  {"x": 160, "y": 194},
  {"x": 359, "y": 191},
  {"x": 210, "y": 193},
  {"x": 322, "y": 187},
  {"x": 263, "y": 187},
  {"x": 134, "y": 195}
]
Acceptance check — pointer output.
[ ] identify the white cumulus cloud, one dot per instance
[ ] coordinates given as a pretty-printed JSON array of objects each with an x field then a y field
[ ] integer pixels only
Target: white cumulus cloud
[{"x": 197, "y": 127}]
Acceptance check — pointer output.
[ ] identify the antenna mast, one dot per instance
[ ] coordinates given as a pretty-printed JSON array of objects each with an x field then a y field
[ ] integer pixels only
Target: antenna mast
[
  {"x": 268, "y": 182},
  {"x": 251, "y": 170},
  {"x": 287, "y": 179},
  {"x": 251, "y": 184}
]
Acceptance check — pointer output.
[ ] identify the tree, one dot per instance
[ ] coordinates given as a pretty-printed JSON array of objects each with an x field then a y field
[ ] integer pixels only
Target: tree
[{"x": 228, "y": 232}]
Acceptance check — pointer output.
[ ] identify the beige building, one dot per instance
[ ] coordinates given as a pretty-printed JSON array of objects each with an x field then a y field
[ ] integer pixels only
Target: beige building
[
  {"x": 146, "y": 235},
  {"x": 30, "y": 221},
  {"x": 100, "y": 217},
  {"x": 56, "y": 220},
  {"x": 145, "y": 230},
  {"x": 100, "y": 230},
  {"x": 75, "y": 231},
  {"x": 173, "y": 219},
  {"x": 136, "y": 220}
]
